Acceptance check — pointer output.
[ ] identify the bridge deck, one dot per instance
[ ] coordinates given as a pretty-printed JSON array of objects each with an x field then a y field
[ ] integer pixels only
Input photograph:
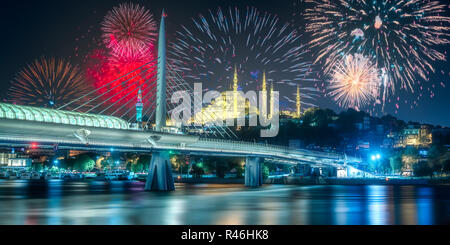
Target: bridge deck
[{"x": 21, "y": 132}]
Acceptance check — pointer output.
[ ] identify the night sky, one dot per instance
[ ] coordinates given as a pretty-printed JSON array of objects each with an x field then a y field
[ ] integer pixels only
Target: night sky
[{"x": 31, "y": 29}]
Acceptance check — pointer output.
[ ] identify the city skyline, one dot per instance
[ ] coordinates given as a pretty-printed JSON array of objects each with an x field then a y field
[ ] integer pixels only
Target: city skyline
[
  {"x": 230, "y": 113},
  {"x": 64, "y": 34}
]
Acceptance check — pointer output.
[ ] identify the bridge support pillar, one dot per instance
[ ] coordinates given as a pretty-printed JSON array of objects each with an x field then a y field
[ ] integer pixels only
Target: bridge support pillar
[
  {"x": 253, "y": 172},
  {"x": 160, "y": 173}
]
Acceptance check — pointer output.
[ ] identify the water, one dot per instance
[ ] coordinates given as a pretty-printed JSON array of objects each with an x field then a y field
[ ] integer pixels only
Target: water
[{"x": 125, "y": 203}]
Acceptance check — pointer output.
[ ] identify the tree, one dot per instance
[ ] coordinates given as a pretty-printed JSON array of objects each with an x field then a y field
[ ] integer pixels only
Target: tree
[
  {"x": 141, "y": 164},
  {"x": 240, "y": 172},
  {"x": 107, "y": 163},
  {"x": 221, "y": 168},
  {"x": 436, "y": 158},
  {"x": 37, "y": 166},
  {"x": 446, "y": 166},
  {"x": 83, "y": 163},
  {"x": 396, "y": 163},
  {"x": 384, "y": 166},
  {"x": 411, "y": 151},
  {"x": 265, "y": 172},
  {"x": 67, "y": 163},
  {"x": 197, "y": 171},
  {"x": 422, "y": 169}
]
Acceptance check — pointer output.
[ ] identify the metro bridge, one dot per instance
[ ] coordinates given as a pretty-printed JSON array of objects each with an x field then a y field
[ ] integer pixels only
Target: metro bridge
[{"x": 20, "y": 125}]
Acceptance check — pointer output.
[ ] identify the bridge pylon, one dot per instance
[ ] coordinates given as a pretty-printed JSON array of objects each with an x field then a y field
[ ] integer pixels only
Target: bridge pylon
[
  {"x": 253, "y": 172},
  {"x": 160, "y": 173},
  {"x": 161, "y": 80}
]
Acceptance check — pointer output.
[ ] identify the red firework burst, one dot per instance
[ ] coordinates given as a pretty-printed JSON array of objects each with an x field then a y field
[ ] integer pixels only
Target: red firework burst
[
  {"x": 127, "y": 77},
  {"x": 129, "y": 31}
]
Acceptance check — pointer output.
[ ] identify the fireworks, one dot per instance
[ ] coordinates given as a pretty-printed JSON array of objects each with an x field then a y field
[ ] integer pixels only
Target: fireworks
[
  {"x": 355, "y": 81},
  {"x": 48, "y": 82},
  {"x": 207, "y": 50},
  {"x": 129, "y": 31},
  {"x": 127, "y": 77},
  {"x": 402, "y": 36}
]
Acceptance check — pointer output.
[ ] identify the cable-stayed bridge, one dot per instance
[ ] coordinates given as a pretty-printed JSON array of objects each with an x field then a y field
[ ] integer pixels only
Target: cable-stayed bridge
[{"x": 103, "y": 120}]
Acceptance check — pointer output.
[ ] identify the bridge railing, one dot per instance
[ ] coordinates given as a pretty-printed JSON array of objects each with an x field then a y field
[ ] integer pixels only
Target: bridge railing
[{"x": 264, "y": 148}]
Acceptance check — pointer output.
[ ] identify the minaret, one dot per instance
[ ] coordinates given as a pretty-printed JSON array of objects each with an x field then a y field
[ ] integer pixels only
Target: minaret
[
  {"x": 161, "y": 83},
  {"x": 139, "y": 106},
  {"x": 264, "y": 94},
  {"x": 264, "y": 87},
  {"x": 272, "y": 101},
  {"x": 298, "y": 102},
  {"x": 224, "y": 106},
  {"x": 235, "y": 94}
]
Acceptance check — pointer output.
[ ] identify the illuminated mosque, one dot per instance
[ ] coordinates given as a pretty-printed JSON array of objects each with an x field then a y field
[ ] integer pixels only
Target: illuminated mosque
[{"x": 220, "y": 109}]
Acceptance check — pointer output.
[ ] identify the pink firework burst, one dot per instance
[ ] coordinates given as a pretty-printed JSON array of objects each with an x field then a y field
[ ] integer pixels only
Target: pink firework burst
[{"x": 129, "y": 31}]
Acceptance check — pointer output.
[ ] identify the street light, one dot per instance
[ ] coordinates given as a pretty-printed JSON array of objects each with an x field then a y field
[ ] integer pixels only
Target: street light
[{"x": 375, "y": 157}]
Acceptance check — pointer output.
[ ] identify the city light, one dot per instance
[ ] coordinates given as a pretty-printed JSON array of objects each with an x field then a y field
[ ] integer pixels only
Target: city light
[
  {"x": 375, "y": 157},
  {"x": 256, "y": 155}
]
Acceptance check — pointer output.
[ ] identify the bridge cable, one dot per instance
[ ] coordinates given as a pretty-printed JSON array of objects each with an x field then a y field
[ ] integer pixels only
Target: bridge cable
[
  {"x": 191, "y": 93},
  {"x": 100, "y": 95},
  {"x": 132, "y": 99},
  {"x": 195, "y": 126},
  {"x": 93, "y": 91},
  {"x": 187, "y": 86},
  {"x": 145, "y": 97},
  {"x": 118, "y": 93},
  {"x": 215, "y": 129}
]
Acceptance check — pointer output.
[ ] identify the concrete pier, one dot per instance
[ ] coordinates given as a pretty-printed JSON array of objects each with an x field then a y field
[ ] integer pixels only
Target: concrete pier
[
  {"x": 160, "y": 173},
  {"x": 253, "y": 172}
]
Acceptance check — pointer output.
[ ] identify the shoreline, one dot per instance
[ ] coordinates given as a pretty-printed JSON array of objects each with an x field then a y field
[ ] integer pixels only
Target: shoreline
[
  {"x": 325, "y": 181},
  {"x": 288, "y": 181}
]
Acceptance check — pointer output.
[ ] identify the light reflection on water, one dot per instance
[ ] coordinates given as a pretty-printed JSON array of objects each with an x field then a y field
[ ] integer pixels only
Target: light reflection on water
[{"x": 78, "y": 203}]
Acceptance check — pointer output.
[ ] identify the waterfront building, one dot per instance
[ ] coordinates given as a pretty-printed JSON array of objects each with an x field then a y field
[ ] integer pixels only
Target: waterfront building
[
  {"x": 4, "y": 158},
  {"x": 220, "y": 109},
  {"x": 441, "y": 136},
  {"x": 20, "y": 162},
  {"x": 415, "y": 135}
]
